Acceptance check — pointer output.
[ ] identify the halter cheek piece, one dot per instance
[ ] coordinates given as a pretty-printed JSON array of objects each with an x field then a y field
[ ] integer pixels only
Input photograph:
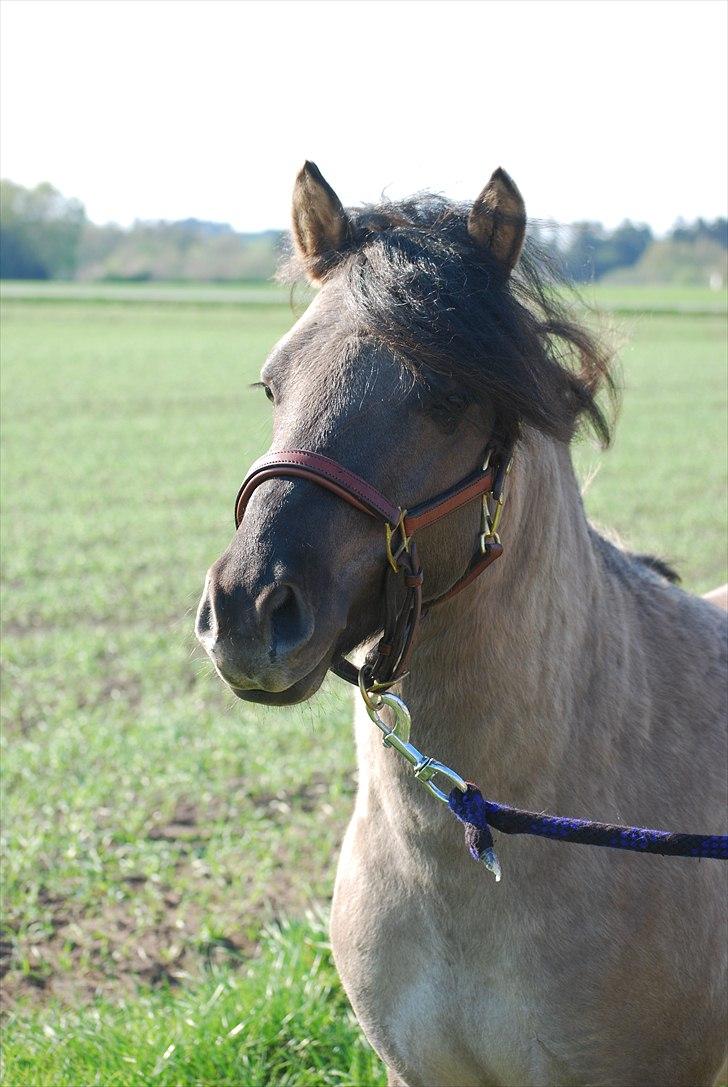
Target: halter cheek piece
[{"x": 403, "y": 606}]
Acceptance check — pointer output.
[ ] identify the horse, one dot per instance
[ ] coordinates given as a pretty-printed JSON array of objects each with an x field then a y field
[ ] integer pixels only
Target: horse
[{"x": 572, "y": 676}]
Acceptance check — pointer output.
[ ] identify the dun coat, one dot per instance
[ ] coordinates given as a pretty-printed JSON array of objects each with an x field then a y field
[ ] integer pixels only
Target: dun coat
[{"x": 572, "y": 677}]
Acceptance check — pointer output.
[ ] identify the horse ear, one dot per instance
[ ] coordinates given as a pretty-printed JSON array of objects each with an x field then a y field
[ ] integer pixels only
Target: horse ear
[
  {"x": 320, "y": 224},
  {"x": 498, "y": 219}
]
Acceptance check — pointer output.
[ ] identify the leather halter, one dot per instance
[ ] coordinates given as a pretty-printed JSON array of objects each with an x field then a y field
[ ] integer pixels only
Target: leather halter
[{"x": 403, "y": 606}]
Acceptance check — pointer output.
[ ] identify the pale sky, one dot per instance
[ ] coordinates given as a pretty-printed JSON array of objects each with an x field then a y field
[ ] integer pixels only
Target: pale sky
[{"x": 600, "y": 109}]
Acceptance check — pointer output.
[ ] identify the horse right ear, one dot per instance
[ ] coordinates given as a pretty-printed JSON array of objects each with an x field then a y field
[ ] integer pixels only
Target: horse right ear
[
  {"x": 320, "y": 224},
  {"x": 497, "y": 219}
]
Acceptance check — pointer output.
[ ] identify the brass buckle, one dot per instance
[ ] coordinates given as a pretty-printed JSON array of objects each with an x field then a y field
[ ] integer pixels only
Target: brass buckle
[
  {"x": 490, "y": 522},
  {"x": 389, "y": 533}
]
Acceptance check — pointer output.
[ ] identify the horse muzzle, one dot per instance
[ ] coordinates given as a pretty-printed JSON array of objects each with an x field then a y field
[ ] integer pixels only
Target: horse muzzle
[{"x": 263, "y": 642}]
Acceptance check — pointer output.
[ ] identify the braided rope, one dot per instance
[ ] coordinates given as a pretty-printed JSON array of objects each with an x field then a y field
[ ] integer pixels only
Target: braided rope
[{"x": 479, "y": 815}]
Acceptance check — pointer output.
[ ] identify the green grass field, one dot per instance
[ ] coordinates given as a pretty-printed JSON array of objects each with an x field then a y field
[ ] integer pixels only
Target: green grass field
[{"x": 168, "y": 851}]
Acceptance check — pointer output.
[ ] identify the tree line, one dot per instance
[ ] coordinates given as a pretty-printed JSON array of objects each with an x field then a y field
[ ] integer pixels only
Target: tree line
[{"x": 45, "y": 235}]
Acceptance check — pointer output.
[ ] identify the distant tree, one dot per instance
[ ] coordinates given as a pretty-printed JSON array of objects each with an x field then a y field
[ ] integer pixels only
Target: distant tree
[
  {"x": 592, "y": 251},
  {"x": 702, "y": 262},
  {"x": 625, "y": 246},
  {"x": 203, "y": 226},
  {"x": 40, "y": 230},
  {"x": 189, "y": 249},
  {"x": 691, "y": 253},
  {"x": 579, "y": 251},
  {"x": 18, "y": 260},
  {"x": 96, "y": 245},
  {"x": 716, "y": 231}
]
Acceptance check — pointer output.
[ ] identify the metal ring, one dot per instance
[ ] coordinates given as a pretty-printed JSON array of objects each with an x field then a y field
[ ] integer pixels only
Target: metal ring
[{"x": 372, "y": 700}]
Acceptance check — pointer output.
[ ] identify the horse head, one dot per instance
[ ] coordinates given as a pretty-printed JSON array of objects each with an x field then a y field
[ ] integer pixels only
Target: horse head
[{"x": 420, "y": 350}]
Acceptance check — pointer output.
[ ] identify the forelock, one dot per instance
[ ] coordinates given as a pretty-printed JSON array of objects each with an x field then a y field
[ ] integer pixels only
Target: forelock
[{"x": 411, "y": 277}]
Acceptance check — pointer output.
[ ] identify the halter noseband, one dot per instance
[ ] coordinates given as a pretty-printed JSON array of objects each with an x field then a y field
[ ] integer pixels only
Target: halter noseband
[{"x": 388, "y": 660}]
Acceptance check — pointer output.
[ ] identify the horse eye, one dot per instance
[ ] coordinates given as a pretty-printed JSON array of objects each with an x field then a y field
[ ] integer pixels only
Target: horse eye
[{"x": 266, "y": 389}]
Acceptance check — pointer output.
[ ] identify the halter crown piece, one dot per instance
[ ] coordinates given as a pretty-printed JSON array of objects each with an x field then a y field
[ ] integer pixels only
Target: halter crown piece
[{"x": 387, "y": 662}]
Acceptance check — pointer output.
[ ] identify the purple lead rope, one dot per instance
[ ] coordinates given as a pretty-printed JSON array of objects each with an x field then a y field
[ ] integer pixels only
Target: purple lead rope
[{"x": 479, "y": 815}]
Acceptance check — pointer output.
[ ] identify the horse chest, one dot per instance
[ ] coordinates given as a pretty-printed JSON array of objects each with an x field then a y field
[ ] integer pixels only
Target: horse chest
[
  {"x": 433, "y": 993},
  {"x": 461, "y": 981}
]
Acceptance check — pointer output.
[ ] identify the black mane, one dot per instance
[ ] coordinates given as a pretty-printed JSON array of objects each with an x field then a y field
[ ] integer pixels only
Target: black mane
[{"x": 418, "y": 283}]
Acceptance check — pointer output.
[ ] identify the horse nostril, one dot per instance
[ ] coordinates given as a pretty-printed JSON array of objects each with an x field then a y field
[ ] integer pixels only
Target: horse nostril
[
  {"x": 242, "y": 640},
  {"x": 289, "y": 620},
  {"x": 206, "y": 621}
]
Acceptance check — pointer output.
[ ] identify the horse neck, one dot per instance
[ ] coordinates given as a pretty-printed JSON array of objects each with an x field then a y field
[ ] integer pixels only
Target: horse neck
[{"x": 495, "y": 674}]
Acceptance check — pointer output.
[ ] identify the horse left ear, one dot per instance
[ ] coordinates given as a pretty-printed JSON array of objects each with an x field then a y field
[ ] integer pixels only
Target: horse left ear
[
  {"x": 497, "y": 219},
  {"x": 320, "y": 224}
]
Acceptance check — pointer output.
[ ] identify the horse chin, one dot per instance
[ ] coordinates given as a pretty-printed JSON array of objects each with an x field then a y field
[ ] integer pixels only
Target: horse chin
[{"x": 299, "y": 691}]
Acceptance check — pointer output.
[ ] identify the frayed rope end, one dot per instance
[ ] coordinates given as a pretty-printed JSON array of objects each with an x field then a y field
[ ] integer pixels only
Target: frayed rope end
[
  {"x": 489, "y": 858},
  {"x": 469, "y": 808}
]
